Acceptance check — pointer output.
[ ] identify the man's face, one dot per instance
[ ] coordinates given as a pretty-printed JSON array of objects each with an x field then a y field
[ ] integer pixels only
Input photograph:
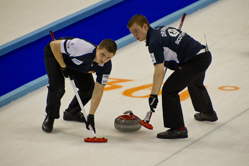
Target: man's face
[
  {"x": 139, "y": 32},
  {"x": 102, "y": 56}
]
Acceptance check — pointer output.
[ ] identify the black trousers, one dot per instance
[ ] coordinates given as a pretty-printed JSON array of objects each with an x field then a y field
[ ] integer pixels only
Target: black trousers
[
  {"x": 190, "y": 74},
  {"x": 56, "y": 89}
]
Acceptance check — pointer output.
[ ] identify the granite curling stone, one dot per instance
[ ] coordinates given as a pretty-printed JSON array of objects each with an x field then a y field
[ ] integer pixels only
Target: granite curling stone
[{"x": 127, "y": 122}]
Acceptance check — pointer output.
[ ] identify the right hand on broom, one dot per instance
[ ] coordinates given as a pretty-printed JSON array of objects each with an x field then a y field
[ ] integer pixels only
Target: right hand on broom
[
  {"x": 153, "y": 100},
  {"x": 90, "y": 121},
  {"x": 66, "y": 72}
]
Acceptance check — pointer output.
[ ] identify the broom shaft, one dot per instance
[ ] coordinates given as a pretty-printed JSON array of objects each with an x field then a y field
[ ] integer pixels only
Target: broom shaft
[{"x": 81, "y": 104}]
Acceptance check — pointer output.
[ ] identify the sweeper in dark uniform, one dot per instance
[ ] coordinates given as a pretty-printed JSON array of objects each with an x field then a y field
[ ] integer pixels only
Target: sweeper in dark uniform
[
  {"x": 78, "y": 59},
  {"x": 171, "y": 48}
]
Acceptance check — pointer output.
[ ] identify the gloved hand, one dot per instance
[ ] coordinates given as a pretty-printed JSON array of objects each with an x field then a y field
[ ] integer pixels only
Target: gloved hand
[
  {"x": 90, "y": 121},
  {"x": 153, "y": 100},
  {"x": 66, "y": 72}
]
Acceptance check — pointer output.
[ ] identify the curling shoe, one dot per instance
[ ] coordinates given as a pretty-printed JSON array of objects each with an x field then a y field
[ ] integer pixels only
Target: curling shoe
[
  {"x": 78, "y": 117},
  {"x": 173, "y": 134},
  {"x": 206, "y": 117},
  {"x": 47, "y": 125}
]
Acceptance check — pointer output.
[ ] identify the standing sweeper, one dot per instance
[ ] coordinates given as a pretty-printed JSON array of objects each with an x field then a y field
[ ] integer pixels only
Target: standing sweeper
[{"x": 171, "y": 48}]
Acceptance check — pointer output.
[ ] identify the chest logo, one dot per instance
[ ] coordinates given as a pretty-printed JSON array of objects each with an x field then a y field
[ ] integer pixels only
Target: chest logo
[{"x": 76, "y": 61}]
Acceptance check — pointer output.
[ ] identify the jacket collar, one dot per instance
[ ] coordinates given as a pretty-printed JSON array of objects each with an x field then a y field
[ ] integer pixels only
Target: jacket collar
[{"x": 148, "y": 36}]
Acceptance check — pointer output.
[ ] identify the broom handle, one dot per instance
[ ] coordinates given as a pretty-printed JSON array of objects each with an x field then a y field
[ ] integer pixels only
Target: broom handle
[{"x": 80, "y": 103}]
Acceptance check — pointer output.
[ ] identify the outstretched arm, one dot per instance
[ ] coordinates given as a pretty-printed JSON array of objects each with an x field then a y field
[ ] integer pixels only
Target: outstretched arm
[
  {"x": 157, "y": 78},
  {"x": 96, "y": 97}
]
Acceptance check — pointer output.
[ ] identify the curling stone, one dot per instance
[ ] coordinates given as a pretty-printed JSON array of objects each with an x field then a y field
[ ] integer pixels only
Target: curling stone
[{"x": 127, "y": 122}]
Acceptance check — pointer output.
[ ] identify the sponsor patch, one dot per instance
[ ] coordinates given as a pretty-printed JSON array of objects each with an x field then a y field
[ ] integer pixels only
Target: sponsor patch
[
  {"x": 105, "y": 79},
  {"x": 76, "y": 61},
  {"x": 153, "y": 57}
]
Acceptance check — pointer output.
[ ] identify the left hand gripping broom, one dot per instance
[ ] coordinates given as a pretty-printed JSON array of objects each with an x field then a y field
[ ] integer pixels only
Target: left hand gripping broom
[{"x": 94, "y": 139}]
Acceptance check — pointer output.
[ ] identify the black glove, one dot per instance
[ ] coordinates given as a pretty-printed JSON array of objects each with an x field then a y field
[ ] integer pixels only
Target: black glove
[
  {"x": 66, "y": 72},
  {"x": 90, "y": 121},
  {"x": 153, "y": 100}
]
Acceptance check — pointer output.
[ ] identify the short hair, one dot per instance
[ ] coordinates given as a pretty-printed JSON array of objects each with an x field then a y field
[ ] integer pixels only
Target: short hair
[
  {"x": 109, "y": 45},
  {"x": 139, "y": 19}
]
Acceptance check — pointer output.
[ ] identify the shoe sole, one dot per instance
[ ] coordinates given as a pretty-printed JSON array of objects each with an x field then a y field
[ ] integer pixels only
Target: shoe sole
[
  {"x": 68, "y": 118},
  {"x": 47, "y": 131},
  {"x": 205, "y": 119},
  {"x": 172, "y": 137}
]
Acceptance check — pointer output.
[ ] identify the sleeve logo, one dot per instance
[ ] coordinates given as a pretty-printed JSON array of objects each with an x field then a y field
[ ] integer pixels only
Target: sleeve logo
[
  {"x": 153, "y": 57},
  {"x": 105, "y": 79}
]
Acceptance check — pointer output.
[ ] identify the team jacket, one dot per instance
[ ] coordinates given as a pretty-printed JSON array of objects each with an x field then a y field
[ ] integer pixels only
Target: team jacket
[
  {"x": 78, "y": 54},
  {"x": 171, "y": 46}
]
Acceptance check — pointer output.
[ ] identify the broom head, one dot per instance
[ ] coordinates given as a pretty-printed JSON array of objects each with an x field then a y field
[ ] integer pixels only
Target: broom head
[
  {"x": 94, "y": 139},
  {"x": 146, "y": 124}
]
